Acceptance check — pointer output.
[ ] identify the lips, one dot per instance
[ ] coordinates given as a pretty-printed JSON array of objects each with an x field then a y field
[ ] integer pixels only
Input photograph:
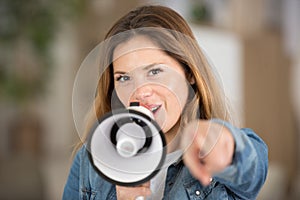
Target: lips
[{"x": 153, "y": 107}]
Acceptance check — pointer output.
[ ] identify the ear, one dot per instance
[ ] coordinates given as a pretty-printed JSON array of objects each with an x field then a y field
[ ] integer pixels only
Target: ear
[{"x": 191, "y": 79}]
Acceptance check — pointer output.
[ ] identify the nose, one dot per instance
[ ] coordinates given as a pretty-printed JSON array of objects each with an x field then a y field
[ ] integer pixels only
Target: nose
[{"x": 142, "y": 93}]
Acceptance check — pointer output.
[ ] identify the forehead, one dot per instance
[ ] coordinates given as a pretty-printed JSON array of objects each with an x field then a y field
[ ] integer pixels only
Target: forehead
[
  {"x": 138, "y": 52},
  {"x": 136, "y": 43}
]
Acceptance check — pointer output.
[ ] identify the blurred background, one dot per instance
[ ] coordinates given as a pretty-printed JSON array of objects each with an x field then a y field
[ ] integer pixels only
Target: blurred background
[{"x": 254, "y": 45}]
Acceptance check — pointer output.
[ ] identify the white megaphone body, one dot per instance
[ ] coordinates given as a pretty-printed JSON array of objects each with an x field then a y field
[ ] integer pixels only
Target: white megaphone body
[{"x": 127, "y": 147}]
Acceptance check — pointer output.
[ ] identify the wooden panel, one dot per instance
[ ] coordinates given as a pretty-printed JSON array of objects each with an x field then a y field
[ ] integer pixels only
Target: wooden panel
[{"x": 267, "y": 98}]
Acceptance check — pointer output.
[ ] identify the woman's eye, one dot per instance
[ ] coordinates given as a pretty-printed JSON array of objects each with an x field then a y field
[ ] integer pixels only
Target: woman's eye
[
  {"x": 122, "y": 78},
  {"x": 154, "y": 71}
]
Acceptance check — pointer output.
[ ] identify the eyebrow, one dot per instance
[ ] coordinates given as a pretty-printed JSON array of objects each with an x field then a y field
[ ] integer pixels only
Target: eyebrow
[{"x": 144, "y": 68}]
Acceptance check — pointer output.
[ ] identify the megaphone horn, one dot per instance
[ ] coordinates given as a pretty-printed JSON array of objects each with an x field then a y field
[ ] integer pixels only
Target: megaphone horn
[{"x": 127, "y": 147}]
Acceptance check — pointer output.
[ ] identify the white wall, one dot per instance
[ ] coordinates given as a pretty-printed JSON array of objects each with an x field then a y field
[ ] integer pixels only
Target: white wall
[{"x": 224, "y": 50}]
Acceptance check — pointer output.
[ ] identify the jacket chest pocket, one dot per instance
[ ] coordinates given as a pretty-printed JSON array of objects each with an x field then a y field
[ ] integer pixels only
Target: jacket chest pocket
[
  {"x": 212, "y": 192},
  {"x": 217, "y": 192}
]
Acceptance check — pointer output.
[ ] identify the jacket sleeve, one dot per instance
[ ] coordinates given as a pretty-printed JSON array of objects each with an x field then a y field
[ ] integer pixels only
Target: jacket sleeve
[
  {"x": 71, "y": 190},
  {"x": 247, "y": 173}
]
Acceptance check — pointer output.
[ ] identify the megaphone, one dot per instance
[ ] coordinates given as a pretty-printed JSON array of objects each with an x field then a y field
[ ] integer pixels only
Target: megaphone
[{"x": 127, "y": 147}]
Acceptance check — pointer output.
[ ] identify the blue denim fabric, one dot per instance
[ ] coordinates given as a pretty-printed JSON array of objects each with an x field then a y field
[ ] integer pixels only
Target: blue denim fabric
[{"x": 241, "y": 180}]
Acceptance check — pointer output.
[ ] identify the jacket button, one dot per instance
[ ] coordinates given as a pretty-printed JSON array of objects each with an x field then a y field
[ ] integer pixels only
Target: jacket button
[{"x": 197, "y": 192}]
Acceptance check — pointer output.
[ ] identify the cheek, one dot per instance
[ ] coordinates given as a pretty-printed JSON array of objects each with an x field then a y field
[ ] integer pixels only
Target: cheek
[
  {"x": 174, "y": 109},
  {"x": 124, "y": 94},
  {"x": 175, "y": 101},
  {"x": 178, "y": 95},
  {"x": 177, "y": 87},
  {"x": 175, "y": 104}
]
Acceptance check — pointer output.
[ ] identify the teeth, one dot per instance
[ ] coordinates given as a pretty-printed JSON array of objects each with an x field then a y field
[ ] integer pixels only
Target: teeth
[{"x": 154, "y": 108}]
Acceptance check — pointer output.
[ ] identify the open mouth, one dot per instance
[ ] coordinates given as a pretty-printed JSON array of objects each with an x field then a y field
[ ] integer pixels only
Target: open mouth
[{"x": 154, "y": 109}]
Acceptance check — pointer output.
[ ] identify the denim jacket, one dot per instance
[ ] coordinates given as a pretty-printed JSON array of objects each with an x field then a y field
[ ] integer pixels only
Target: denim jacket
[{"x": 241, "y": 180}]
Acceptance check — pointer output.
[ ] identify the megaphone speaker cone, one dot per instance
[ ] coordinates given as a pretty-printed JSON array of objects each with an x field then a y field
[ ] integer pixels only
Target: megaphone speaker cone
[{"x": 126, "y": 147}]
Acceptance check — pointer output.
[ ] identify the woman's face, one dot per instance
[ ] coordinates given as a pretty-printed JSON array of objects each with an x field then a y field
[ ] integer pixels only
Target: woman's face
[{"x": 145, "y": 73}]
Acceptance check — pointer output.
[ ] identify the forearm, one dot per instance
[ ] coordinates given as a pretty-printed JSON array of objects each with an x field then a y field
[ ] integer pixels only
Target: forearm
[{"x": 248, "y": 171}]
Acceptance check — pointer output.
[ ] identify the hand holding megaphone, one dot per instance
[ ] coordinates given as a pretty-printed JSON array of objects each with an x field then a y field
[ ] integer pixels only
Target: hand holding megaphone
[{"x": 127, "y": 147}]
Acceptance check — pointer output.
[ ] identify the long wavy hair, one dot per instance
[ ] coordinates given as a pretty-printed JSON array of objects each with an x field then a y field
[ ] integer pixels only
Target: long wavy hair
[{"x": 170, "y": 32}]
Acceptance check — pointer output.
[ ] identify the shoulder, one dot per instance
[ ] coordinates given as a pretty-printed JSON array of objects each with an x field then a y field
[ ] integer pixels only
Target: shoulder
[
  {"x": 248, "y": 170},
  {"x": 243, "y": 136}
]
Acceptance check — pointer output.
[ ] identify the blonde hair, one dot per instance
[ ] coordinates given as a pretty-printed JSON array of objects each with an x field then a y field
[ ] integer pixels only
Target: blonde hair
[{"x": 170, "y": 32}]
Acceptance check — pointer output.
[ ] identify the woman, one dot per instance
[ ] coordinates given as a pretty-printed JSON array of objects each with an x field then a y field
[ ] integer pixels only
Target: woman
[{"x": 151, "y": 56}]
